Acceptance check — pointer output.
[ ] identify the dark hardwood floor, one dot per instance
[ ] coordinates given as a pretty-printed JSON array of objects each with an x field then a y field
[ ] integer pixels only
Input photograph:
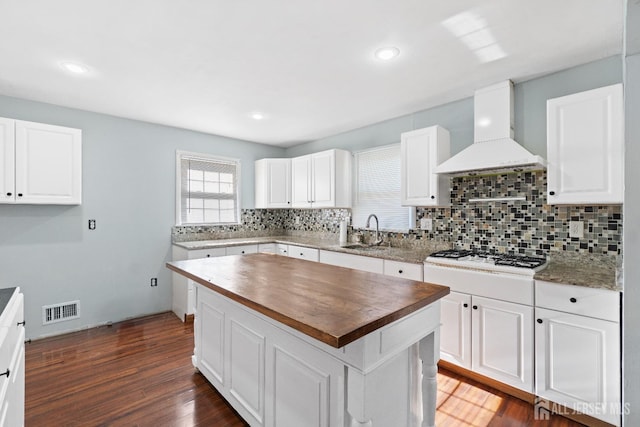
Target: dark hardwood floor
[{"x": 139, "y": 373}]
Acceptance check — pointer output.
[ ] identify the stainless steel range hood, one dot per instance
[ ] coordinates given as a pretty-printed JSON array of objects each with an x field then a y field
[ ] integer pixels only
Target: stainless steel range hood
[{"x": 494, "y": 150}]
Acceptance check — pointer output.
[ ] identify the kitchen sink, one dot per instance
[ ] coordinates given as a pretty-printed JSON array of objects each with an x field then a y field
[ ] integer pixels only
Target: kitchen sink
[{"x": 361, "y": 247}]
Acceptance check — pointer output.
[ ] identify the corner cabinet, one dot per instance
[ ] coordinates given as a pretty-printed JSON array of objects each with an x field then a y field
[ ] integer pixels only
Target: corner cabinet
[
  {"x": 421, "y": 151},
  {"x": 273, "y": 183},
  {"x": 585, "y": 138},
  {"x": 42, "y": 164},
  {"x": 321, "y": 180}
]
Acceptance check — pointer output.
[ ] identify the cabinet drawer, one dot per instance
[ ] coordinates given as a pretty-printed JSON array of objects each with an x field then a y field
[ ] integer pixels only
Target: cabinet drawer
[
  {"x": 242, "y": 250},
  {"x": 206, "y": 253},
  {"x": 357, "y": 262},
  {"x": 598, "y": 303},
  {"x": 403, "y": 269},
  {"x": 267, "y": 248},
  {"x": 300, "y": 252}
]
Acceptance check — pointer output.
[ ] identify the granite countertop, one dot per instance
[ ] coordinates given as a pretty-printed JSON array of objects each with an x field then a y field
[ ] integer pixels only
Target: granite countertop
[
  {"x": 414, "y": 255},
  {"x": 589, "y": 270}
]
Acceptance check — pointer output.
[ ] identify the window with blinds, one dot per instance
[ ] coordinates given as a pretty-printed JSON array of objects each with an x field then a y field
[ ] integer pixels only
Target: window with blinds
[
  {"x": 377, "y": 190},
  {"x": 208, "y": 189}
]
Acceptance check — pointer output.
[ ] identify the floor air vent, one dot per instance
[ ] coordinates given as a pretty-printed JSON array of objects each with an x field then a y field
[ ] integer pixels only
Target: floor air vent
[{"x": 60, "y": 312}]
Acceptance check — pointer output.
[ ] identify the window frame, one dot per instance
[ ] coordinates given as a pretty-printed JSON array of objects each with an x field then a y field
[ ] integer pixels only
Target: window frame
[
  {"x": 180, "y": 155},
  {"x": 411, "y": 210}
]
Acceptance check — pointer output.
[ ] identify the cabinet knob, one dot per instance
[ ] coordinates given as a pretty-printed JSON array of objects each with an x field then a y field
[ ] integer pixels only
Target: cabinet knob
[
  {"x": 242, "y": 251},
  {"x": 475, "y": 307},
  {"x": 539, "y": 320},
  {"x": 22, "y": 323},
  {"x": 19, "y": 194},
  {"x": 400, "y": 271},
  {"x": 465, "y": 305},
  {"x": 9, "y": 194},
  {"x": 301, "y": 254},
  {"x": 208, "y": 255},
  {"x": 573, "y": 300},
  {"x": 552, "y": 193},
  {"x": 6, "y": 373},
  {"x": 433, "y": 197},
  {"x": 288, "y": 203}
]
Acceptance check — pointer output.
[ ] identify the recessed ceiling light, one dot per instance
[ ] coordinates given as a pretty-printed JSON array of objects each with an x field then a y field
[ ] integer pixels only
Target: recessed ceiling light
[
  {"x": 74, "y": 67},
  {"x": 256, "y": 115},
  {"x": 387, "y": 53}
]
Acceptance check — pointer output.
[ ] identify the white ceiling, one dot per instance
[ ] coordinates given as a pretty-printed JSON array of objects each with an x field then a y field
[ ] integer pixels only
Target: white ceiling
[{"x": 307, "y": 65}]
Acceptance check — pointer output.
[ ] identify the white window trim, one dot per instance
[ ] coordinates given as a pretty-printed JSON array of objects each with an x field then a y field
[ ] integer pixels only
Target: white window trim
[{"x": 203, "y": 156}]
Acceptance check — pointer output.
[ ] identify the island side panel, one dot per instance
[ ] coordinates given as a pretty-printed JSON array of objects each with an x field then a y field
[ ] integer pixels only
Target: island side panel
[{"x": 274, "y": 377}]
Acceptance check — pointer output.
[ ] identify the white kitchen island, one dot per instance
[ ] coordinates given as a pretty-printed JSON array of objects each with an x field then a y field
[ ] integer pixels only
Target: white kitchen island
[{"x": 294, "y": 343}]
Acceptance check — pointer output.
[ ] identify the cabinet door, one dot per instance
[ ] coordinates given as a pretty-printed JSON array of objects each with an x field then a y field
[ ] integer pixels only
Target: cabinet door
[
  {"x": 279, "y": 183},
  {"x": 455, "y": 329},
  {"x": 578, "y": 362},
  {"x": 301, "y": 182},
  {"x": 48, "y": 164},
  {"x": 502, "y": 341},
  {"x": 7, "y": 160},
  {"x": 323, "y": 179},
  {"x": 585, "y": 147},
  {"x": 273, "y": 183},
  {"x": 421, "y": 151}
]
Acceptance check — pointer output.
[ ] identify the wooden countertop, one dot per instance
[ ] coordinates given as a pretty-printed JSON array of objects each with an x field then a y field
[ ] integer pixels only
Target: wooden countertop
[{"x": 331, "y": 304}]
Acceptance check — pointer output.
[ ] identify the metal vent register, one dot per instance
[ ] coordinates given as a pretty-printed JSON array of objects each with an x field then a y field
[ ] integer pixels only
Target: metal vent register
[{"x": 60, "y": 312}]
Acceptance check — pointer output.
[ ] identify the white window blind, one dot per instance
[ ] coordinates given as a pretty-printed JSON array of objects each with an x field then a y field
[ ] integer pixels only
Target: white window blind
[
  {"x": 377, "y": 189},
  {"x": 208, "y": 189}
]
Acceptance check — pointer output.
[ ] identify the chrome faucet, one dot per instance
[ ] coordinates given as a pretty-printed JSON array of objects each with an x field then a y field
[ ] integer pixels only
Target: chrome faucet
[{"x": 378, "y": 239}]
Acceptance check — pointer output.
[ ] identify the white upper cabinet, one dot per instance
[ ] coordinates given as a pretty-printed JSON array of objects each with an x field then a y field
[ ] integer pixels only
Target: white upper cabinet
[
  {"x": 321, "y": 180},
  {"x": 421, "y": 151},
  {"x": 585, "y": 138},
  {"x": 273, "y": 183},
  {"x": 7, "y": 160},
  {"x": 42, "y": 164}
]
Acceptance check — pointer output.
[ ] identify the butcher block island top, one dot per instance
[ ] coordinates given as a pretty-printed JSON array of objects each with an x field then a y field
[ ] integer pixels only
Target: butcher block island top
[{"x": 332, "y": 304}]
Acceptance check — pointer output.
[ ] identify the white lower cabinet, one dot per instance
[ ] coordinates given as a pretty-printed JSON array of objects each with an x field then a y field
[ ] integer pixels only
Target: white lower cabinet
[
  {"x": 502, "y": 341},
  {"x": 12, "y": 382},
  {"x": 357, "y": 262},
  {"x": 301, "y": 252},
  {"x": 455, "y": 331},
  {"x": 405, "y": 270},
  {"x": 578, "y": 356},
  {"x": 488, "y": 336}
]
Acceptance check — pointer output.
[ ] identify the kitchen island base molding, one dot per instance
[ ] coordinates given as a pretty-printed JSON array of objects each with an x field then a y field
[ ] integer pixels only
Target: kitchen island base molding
[{"x": 274, "y": 375}]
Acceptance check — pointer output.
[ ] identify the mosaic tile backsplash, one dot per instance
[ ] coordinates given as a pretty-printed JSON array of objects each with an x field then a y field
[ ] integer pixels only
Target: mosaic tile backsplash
[{"x": 528, "y": 227}]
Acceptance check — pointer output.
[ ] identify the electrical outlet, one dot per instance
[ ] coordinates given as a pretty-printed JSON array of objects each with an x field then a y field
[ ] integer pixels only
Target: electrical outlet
[
  {"x": 426, "y": 224},
  {"x": 154, "y": 281},
  {"x": 92, "y": 224},
  {"x": 576, "y": 229}
]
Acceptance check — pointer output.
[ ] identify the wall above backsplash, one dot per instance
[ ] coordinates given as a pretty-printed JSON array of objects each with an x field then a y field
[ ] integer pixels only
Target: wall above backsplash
[{"x": 528, "y": 227}]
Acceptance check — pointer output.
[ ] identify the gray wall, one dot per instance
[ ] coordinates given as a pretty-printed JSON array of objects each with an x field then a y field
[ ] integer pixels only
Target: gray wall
[
  {"x": 129, "y": 188},
  {"x": 530, "y": 113},
  {"x": 631, "y": 296}
]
